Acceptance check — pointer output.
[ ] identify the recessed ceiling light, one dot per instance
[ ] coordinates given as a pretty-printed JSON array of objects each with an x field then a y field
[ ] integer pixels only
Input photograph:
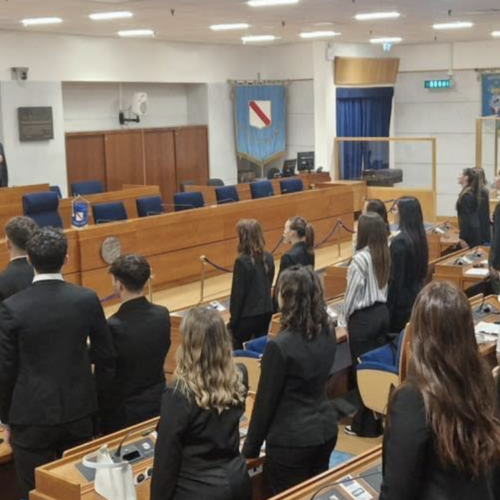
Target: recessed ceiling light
[
  {"x": 323, "y": 23},
  {"x": 318, "y": 34},
  {"x": 132, "y": 33},
  {"x": 453, "y": 26},
  {"x": 387, "y": 39},
  {"x": 228, "y": 27},
  {"x": 258, "y": 38},
  {"x": 496, "y": 34},
  {"x": 270, "y": 3},
  {"x": 104, "y": 16},
  {"x": 377, "y": 15},
  {"x": 41, "y": 20}
]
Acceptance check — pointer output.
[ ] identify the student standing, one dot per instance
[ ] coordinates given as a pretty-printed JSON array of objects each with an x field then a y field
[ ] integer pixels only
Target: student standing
[
  {"x": 364, "y": 311},
  {"x": 251, "y": 304},
  {"x": 484, "y": 208},
  {"x": 291, "y": 412},
  {"x": 442, "y": 441},
  {"x": 378, "y": 207},
  {"x": 468, "y": 208},
  {"x": 197, "y": 451},
  {"x": 409, "y": 261},
  {"x": 494, "y": 257}
]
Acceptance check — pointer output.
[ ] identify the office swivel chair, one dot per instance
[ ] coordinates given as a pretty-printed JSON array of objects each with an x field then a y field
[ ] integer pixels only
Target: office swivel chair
[
  {"x": 273, "y": 172},
  {"x": 261, "y": 189},
  {"x": 109, "y": 212},
  {"x": 43, "y": 208},
  {"x": 186, "y": 201},
  {"x": 87, "y": 187},
  {"x": 149, "y": 205},
  {"x": 215, "y": 182},
  {"x": 226, "y": 194},
  {"x": 291, "y": 186},
  {"x": 57, "y": 190}
]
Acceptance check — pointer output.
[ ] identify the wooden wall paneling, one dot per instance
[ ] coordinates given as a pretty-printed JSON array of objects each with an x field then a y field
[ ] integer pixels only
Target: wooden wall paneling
[
  {"x": 191, "y": 155},
  {"x": 124, "y": 158},
  {"x": 365, "y": 71},
  {"x": 85, "y": 158},
  {"x": 160, "y": 162}
]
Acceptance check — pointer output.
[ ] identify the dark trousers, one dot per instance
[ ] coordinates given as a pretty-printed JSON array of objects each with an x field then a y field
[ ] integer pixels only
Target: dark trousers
[
  {"x": 34, "y": 446},
  {"x": 368, "y": 329},
  {"x": 252, "y": 327},
  {"x": 287, "y": 466}
]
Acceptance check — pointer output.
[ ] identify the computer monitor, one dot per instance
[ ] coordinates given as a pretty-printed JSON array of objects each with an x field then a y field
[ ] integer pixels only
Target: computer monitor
[
  {"x": 289, "y": 168},
  {"x": 305, "y": 161}
]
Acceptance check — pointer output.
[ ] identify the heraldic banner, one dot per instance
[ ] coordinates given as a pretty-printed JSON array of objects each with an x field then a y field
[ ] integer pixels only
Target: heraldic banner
[
  {"x": 491, "y": 94},
  {"x": 260, "y": 113}
]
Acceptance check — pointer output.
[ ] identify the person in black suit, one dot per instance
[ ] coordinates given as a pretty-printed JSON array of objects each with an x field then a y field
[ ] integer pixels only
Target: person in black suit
[
  {"x": 197, "y": 452},
  {"x": 484, "y": 208},
  {"x": 47, "y": 389},
  {"x": 251, "y": 304},
  {"x": 141, "y": 337},
  {"x": 468, "y": 208},
  {"x": 291, "y": 412},
  {"x": 409, "y": 261},
  {"x": 442, "y": 441},
  {"x": 19, "y": 273},
  {"x": 494, "y": 256},
  {"x": 4, "y": 173}
]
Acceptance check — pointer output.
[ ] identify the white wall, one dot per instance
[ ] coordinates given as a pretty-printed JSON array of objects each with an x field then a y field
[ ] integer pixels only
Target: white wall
[{"x": 33, "y": 162}]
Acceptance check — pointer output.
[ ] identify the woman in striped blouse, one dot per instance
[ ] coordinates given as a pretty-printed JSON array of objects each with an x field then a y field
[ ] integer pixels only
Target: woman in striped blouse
[{"x": 364, "y": 312}]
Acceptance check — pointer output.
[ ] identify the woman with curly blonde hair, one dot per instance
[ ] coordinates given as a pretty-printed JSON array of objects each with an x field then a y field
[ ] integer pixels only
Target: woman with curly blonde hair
[{"x": 197, "y": 452}]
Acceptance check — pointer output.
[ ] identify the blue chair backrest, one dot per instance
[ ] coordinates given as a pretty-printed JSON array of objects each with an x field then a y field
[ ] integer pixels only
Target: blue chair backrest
[
  {"x": 226, "y": 194},
  {"x": 291, "y": 186},
  {"x": 57, "y": 190},
  {"x": 109, "y": 212},
  {"x": 87, "y": 187},
  {"x": 240, "y": 353},
  {"x": 42, "y": 208},
  {"x": 149, "y": 205},
  {"x": 261, "y": 189},
  {"x": 188, "y": 200}
]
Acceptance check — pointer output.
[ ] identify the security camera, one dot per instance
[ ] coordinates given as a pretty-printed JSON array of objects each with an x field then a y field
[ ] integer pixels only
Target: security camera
[{"x": 20, "y": 73}]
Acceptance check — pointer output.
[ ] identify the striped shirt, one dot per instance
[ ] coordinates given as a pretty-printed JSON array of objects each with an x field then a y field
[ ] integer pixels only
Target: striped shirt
[{"x": 362, "y": 286}]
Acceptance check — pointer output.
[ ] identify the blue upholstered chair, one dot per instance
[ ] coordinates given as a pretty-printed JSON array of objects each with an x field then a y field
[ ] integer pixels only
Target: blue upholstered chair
[
  {"x": 109, "y": 212},
  {"x": 188, "y": 200},
  {"x": 57, "y": 190},
  {"x": 215, "y": 182},
  {"x": 252, "y": 364},
  {"x": 256, "y": 346},
  {"x": 261, "y": 189},
  {"x": 226, "y": 194},
  {"x": 291, "y": 186},
  {"x": 149, "y": 205},
  {"x": 86, "y": 187},
  {"x": 380, "y": 371},
  {"x": 43, "y": 208}
]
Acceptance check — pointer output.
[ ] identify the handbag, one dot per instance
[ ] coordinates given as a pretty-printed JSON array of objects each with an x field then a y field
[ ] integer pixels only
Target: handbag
[{"x": 113, "y": 480}]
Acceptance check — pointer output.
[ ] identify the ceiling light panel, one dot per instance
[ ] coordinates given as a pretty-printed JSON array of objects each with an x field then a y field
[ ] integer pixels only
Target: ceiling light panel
[
  {"x": 106, "y": 16},
  {"x": 377, "y": 15}
]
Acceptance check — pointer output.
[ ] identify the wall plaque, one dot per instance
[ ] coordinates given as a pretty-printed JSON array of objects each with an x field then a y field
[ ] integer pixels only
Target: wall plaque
[
  {"x": 35, "y": 124},
  {"x": 111, "y": 249}
]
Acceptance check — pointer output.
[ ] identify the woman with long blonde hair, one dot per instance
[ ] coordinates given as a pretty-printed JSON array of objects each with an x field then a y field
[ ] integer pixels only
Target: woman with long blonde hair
[{"x": 197, "y": 451}]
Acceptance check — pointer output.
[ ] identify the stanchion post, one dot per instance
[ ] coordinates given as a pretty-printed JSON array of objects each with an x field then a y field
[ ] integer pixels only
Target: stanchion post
[
  {"x": 202, "y": 282},
  {"x": 339, "y": 241}
]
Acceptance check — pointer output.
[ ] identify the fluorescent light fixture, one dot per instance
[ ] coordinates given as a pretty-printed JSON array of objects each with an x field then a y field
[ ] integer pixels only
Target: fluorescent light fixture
[
  {"x": 270, "y": 3},
  {"x": 453, "y": 26},
  {"x": 258, "y": 38},
  {"x": 496, "y": 34},
  {"x": 377, "y": 15},
  {"x": 133, "y": 33},
  {"x": 388, "y": 39},
  {"x": 318, "y": 34},
  {"x": 105, "y": 16},
  {"x": 229, "y": 27},
  {"x": 38, "y": 21}
]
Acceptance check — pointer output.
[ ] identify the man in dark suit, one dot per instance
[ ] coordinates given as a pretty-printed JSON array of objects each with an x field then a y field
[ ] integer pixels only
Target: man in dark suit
[
  {"x": 141, "y": 337},
  {"x": 47, "y": 390},
  {"x": 4, "y": 173},
  {"x": 18, "y": 275}
]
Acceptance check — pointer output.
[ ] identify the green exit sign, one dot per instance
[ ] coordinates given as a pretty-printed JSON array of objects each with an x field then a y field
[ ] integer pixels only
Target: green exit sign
[{"x": 439, "y": 84}]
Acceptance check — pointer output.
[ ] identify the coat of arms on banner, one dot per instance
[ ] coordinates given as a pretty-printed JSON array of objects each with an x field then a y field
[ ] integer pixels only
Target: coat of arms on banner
[{"x": 260, "y": 114}]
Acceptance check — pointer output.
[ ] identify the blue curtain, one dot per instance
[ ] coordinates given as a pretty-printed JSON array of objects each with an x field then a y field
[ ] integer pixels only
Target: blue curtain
[{"x": 363, "y": 112}]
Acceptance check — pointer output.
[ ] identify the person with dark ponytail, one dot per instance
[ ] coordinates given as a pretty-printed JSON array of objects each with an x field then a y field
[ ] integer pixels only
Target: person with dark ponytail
[
  {"x": 378, "y": 207},
  {"x": 300, "y": 234},
  {"x": 409, "y": 261},
  {"x": 468, "y": 208},
  {"x": 484, "y": 208}
]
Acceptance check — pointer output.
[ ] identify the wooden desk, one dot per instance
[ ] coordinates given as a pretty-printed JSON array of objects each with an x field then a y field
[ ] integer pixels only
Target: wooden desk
[
  {"x": 358, "y": 188},
  {"x": 442, "y": 239},
  {"x": 450, "y": 269},
  {"x": 486, "y": 309},
  {"x": 5, "y": 449},
  {"x": 173, "y": 243},
  {"x": 309, "y": 181}
]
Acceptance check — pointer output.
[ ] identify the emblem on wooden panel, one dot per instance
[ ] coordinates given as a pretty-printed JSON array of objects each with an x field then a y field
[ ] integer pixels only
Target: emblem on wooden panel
[{"x": 111, "y": 249}]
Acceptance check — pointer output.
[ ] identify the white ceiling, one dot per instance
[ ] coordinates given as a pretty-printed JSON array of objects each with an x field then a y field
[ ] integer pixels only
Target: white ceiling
[{"x": 191, "y": 18}]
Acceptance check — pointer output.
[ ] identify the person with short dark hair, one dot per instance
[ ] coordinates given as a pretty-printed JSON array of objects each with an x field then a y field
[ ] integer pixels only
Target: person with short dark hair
[
  {"x": 19, "y": 273},
  {"x": 141, "y": 336},
  {"x": 47, "y": 388}
]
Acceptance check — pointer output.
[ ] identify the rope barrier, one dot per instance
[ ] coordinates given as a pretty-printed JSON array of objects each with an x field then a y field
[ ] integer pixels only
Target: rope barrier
[
  {"x": 280, "y": 241},
  {"x": 329, "y": 235},
  {"x": 348, "y": 229},
  {"x": 216, "y": 266},
  {"x": 108, "y": 298}
]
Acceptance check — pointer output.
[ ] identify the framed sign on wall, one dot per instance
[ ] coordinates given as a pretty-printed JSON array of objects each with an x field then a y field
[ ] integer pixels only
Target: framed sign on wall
[{"x": 35, "y": 124}]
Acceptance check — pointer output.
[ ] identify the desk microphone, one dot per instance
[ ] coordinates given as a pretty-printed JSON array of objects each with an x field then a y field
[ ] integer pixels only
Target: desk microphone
[{"x": 118, "y": 452}]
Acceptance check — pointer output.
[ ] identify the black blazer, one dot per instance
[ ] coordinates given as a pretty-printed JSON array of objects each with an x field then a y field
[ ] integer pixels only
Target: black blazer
[
  {"x": 251, "y": 288},
  {"x": 404, "y": 284},
  {"x": 484, "y": 218},
  {"x": 412, "y": 470},
  {"x": 45, "y": 364},
  {"x": 4, "y": 173},
  {"x": 468, "y": 219},
  {"x": 17, "y": 276},
  {"x": 197, "y": 453},
  {"x": 141, "y": 338},
  {"x": 297, "y": 254},
  {"x": 291, "y": 408},
  {"x": 495, "y": 241}
]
